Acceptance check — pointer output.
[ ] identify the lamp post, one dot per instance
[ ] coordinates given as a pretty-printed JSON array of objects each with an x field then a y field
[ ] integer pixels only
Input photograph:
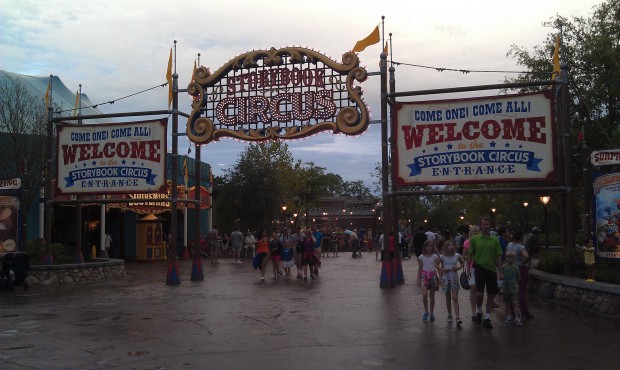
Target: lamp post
[
  {"x": 545, "y": 200},
  {"x": 493, "y": 217},
  {"x": 295, "y": 219},
  {"x": 284, "y": 215},
  {"x": 525, "y": 204}
]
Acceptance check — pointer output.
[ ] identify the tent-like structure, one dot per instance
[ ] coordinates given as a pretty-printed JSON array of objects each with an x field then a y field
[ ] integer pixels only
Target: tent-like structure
[{"x": 60, "y": 94}]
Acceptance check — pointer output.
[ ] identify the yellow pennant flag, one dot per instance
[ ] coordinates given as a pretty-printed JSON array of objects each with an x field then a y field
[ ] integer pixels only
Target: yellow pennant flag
[
  {"x": 194, "y": 72},
  {"x": 556, "y": 58},
  {"x": 77, "y": 103},
  {"x": 371, "y": 39},
  {"x": 47, "y": 95},
  {"x": 185, "y": 172},
  {"x": 169, "y": 79},
  {"x": 385, "y": 48}
]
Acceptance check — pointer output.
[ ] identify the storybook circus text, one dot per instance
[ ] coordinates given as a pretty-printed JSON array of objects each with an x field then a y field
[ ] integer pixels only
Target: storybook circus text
[
  {"x": 128, "y": 157},
  {"x": 502, "y": 138}
]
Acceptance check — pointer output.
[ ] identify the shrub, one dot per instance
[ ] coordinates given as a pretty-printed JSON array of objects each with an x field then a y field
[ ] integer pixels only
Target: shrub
[
  {"x": 36, "y": 251},
  {"x": 551, "y": 261}
]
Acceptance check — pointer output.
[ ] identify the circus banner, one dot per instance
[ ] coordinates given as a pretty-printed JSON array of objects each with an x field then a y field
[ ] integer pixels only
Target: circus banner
[
  {"x": 476, "y": 140},
  {"x": 112, "y": 158},
  {"x": 607, "y": 211}
]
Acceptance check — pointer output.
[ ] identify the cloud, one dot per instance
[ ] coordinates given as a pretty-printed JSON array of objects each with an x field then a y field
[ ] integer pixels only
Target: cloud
[{"x": 116, "y": 48}]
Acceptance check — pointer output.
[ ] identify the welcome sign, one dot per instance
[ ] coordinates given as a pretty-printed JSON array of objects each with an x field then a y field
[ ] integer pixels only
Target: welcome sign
[
  {"x": 488, "y": 139},
  {"x": 112, "y": 158},
  {"x": 287, "y": 93}
]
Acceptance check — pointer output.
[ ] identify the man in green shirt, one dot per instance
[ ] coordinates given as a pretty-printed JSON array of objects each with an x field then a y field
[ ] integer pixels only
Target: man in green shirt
[{"x": 486, "y": 252}]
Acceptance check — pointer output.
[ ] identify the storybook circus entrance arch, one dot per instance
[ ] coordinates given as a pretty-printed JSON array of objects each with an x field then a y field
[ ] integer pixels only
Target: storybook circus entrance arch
[
  {"x": 287, "y": 93},
  {"x": 492, "y": 139}
]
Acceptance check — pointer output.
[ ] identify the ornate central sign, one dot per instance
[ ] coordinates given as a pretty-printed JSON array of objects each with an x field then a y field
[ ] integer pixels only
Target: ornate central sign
[{"x": 287, "y": 93}]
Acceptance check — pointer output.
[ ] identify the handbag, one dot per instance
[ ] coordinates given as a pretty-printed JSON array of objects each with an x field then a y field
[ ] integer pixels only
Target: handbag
[{"x": 464, "y": 281}]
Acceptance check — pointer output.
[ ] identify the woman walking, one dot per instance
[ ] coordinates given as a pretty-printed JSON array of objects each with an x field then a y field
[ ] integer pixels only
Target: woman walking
[
  {"x": 262, "y": 252},
  {"x": 308, "y": 258}
]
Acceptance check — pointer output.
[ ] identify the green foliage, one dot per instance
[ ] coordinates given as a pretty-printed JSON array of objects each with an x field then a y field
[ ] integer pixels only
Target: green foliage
[
  {"x": 608, "y": 271},
  {"x": 571, "y": 262},
  {"x": 36, "y": 251},
  {"x": 266, "y": 177},
  {"x": 552, "y": 262}
]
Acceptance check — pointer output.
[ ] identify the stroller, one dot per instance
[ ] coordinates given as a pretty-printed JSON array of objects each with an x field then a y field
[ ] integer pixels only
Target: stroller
[
  {"x": 15, "y": 268},
  {"x": 404, "y": 250}
]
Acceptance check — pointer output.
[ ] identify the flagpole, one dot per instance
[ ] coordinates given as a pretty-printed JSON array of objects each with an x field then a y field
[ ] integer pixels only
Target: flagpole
[
  {"x": 173, "y": 277},
  {"x": 383, "y": 30},
  {"x": 49, "y": 258},
  {"x": 197, "y": 271},
  {"x": 587, "y": 195},
  {"x": 390, "y": 51}
]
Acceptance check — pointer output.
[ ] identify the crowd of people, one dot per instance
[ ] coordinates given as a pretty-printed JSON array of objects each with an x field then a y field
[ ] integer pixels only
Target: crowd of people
[
  {"x": 301, "y": 249},
  {"x": 495, "y": 263}
]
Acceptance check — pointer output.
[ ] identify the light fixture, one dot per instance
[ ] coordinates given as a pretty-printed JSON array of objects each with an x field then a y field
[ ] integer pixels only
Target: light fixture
[
  {"x": 525, "y": 204},
  {"x": 545, "y": 199},
  {"x": 283, "y": 207}
]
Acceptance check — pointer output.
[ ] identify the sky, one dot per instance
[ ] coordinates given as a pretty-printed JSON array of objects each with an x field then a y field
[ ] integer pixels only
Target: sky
[{"x": 115, "y": 48}]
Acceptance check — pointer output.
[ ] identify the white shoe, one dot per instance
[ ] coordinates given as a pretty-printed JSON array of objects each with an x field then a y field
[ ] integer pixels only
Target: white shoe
[{"x": 518, "y": 322}]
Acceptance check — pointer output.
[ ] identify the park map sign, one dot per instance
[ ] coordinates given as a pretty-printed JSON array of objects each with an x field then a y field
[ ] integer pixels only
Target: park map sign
[{"x": 288, "y": 93}]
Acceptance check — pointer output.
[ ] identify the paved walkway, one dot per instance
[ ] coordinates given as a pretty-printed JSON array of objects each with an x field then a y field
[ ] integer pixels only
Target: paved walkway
[{"x": 342, "y": 320}]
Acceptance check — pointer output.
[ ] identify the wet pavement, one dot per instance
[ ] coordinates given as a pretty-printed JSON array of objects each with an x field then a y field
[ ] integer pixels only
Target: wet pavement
[{"x": 232, "y": 320}]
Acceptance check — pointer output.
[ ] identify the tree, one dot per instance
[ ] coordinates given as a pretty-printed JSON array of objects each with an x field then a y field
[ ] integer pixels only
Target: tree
[
  {"x": 591, "y": 49},
  {"x": 266, "y": 177},
  {"x": 23, "y": 121},
  {"x": 252, "y": 190}
]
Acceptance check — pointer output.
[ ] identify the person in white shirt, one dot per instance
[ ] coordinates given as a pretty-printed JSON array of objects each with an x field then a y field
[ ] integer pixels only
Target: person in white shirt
[{"x": 250, "y": 243}]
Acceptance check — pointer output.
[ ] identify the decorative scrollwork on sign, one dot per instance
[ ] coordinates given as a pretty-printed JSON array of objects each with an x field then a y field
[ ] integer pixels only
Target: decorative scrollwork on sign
[{"x": 278, "y": 94}]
